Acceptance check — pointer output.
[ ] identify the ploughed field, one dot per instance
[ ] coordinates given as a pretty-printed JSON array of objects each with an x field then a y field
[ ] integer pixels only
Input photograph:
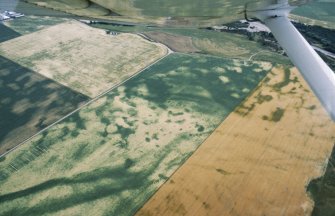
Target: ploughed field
[{"x": 110, "y": 157}]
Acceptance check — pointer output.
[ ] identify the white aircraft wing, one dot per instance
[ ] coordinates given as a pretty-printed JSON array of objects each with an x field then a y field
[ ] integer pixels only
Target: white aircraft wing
[{"x": 316, "y": 72}]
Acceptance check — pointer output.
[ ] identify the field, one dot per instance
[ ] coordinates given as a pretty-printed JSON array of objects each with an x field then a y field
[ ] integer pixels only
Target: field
[
  {"x": 221, "y": 44},
  {"x": 110, "y": 157},
  {"x": 322, "y": 190},
  {"x": 7, "y": 33},
  {"x": 259, "y": 161},
  {"x": 176, "y": 43},
  {"x": 229, "y": 45},
  {"x": 302, "y": 19},
  {"x": 319, "y": 11},
  {"x": 82, "y": 58},
  {"x": 30, "y": 102},
  {"x": 29, "y": 24}
]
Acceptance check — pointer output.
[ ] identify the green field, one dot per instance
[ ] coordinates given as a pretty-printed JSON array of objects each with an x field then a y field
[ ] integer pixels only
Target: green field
[
  {"x": 221, "y": 44},
  {"x": 323, "y": 190},
  {"x": 29, "y": 102},
  {"x": 229, "y": 45},
  {"x": 28, "y": 24},
  {"x": 110, "y": 157},
  {"x": 7, "y": 33},
  {"x": 323, "y": 11}
]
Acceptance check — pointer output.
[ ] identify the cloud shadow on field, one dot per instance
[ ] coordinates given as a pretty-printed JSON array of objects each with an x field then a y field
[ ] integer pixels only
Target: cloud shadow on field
[
  {"x": 29, "y": 102},
  {"x": 194, "y": 84},
  {"x": 7, "y": 33}
]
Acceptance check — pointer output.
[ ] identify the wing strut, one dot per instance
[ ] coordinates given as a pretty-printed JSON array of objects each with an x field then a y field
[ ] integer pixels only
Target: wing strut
[{"x": 315, "y": 71}]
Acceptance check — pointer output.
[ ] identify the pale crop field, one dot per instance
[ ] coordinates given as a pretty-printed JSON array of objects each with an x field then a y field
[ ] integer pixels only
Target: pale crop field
[
  {"x": 83, "y": 58},
  {"x": 110, "y": 157}
]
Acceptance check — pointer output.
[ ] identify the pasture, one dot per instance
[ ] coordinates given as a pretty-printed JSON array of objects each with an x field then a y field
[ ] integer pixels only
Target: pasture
[{"x": 110, "y": 157}]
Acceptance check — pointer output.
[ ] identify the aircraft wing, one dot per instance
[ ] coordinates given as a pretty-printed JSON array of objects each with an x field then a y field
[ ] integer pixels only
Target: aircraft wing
[
  {"x": 315, "y": 71},
  {"x": 171, "y": 12}
]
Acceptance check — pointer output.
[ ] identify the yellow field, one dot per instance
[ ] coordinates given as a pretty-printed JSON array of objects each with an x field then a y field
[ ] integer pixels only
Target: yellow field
[
  {"x": 259, "y": 160},
  {"x": 82, "y": 58}
]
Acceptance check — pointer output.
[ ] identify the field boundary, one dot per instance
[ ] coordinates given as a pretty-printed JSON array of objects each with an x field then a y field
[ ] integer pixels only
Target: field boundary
[{"x": 168, "y": 52}]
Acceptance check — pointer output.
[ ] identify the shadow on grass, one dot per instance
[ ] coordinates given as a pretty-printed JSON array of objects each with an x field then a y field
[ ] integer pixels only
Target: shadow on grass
[
  {"x": 118, "y": 173},
  {"x": 189, "y": 85},
  {"x": 125, "y": 181},
  {"x": 121, "y": 179},
  {"x": 7, "y": 33},
  {"x": 30, "y": 102}
]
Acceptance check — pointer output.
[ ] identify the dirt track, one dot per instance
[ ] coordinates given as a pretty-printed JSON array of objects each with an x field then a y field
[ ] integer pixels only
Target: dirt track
[{"x": 258, "y": 161}]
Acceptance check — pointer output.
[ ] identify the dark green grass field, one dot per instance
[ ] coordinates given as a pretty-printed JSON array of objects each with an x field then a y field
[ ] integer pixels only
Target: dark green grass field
[
  {"x": 7, "y": 33},
  {"x": 323, "y": 190},
  {"x": 110, "y": 157},
  {"x": 221, "y": 44},
  {"x": 29, "y": 102},
  {"x": 28, "y": 24},
  {"x": 322, "y": 10}
]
